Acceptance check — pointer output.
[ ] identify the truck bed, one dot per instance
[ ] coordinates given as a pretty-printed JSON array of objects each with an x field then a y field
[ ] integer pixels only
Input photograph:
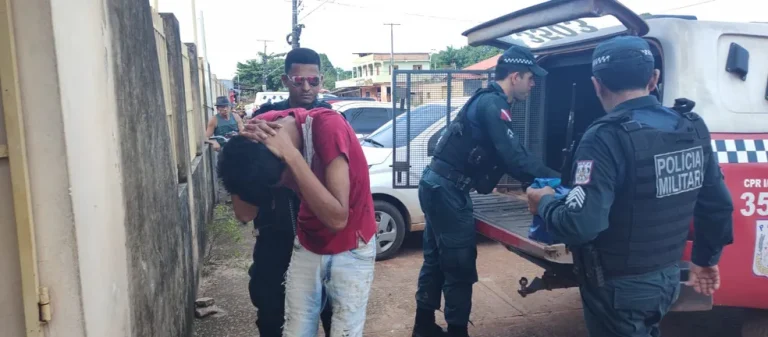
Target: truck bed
[{"x": 505, "y": 218}]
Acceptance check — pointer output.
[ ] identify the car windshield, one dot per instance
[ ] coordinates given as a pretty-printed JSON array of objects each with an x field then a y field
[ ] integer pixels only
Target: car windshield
[{"x": 423, "y": 117}]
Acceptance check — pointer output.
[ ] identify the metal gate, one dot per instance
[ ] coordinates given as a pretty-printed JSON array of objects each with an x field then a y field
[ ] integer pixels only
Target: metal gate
[{"x": 430, "y": 100}]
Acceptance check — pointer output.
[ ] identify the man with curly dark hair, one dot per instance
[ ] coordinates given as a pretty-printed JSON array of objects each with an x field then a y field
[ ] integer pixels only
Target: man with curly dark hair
[
  {"x": 335, "y": 249},
  {"x": 278, "y": 207}
]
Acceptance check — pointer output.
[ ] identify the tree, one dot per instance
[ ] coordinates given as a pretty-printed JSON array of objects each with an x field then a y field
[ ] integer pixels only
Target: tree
[
  {"x": 452, "y": 58},
  {"x": 252, "y": 72},
  {"x": 328, "y": 71},
  {"x": 342, "y": 74}
]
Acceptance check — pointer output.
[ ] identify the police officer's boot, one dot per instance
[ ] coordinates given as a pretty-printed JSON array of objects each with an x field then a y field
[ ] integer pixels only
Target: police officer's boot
[
  {"x": 457, "y": 331},
  {"x": 425, "y": 325}
]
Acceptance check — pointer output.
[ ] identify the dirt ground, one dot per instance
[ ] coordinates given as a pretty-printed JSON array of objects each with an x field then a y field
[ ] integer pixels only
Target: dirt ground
[{"x": 497, "y": 308}]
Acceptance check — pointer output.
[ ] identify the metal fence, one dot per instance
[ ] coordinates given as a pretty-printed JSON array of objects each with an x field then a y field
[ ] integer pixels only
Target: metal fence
[{"x": 431, "y": 99}]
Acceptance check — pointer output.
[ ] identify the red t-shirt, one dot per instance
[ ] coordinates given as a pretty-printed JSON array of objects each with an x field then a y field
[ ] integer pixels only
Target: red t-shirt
[{"x": 332, "y": 137}]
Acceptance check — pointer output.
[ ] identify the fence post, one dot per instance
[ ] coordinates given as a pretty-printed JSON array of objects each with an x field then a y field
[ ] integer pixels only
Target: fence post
[
  {"x": 178, "y": 94},
  {"x": 196, "y": 134}
]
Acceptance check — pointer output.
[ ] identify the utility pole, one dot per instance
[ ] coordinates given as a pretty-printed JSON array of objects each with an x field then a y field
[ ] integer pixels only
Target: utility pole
[
  {"x": 391, "y": 46},
  {"x": 264, "y": 65},
  {"x": 295, "y": 24},
  {"x": 194, "y": 20}
]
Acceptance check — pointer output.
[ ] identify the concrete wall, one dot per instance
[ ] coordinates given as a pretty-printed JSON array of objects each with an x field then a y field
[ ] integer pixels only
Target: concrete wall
[
  {"x": 118, "y": 236},
  {"x": 158, "y": 230}
]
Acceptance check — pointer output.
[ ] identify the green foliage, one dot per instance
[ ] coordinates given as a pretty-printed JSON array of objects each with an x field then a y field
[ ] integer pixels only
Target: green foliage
[
  {"x": 342, "y": 74},
  {"x": 252, "y": 72},
  {"x": 452, "y": 58},
  {"x": 223, "y": 235}
]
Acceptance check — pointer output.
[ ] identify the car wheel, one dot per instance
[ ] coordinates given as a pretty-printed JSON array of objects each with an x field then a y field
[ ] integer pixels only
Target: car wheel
[
  {"x": 756, "y": 324},
  {"x": 390, "y": 230}
]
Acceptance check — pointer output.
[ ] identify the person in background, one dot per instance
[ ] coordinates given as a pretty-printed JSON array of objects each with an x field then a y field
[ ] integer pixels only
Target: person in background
[
  {"x": 225, "y": 123},
  {"x": 640, "y": 174}
]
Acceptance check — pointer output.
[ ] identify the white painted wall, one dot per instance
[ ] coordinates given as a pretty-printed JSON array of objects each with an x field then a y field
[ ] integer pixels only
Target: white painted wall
[
  {"x": 49, "y": 174},
  {"x": 88, "y": 106}
]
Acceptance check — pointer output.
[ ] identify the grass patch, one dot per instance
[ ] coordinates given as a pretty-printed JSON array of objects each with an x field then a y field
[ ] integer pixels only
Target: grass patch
[{"x": 224, "y": 235}]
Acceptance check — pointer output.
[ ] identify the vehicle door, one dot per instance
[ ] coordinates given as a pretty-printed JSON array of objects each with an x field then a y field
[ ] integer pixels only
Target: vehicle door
[
  {"x": 552, "y": 25},
  {"x": 546, "y": 27}
]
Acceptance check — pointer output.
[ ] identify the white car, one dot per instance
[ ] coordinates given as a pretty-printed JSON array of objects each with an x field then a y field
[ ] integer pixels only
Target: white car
[
  {"x": 365, "y": 116},
  {"x": 397, "y": 209},
  {"x": 265, "y": 97}
]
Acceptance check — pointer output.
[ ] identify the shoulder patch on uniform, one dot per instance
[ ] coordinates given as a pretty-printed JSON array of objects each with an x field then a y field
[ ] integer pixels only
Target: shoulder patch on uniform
[
  {"x": 583, "y": 172},
  {"x": 575, "y": 199},
  {"x": 505, "y": 116},
  {"x": 510, "y": 134}
]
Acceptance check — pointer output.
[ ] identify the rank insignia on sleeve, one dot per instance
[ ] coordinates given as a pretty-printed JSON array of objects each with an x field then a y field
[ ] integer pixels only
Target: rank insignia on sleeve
[
  {"x": 575, "y": 199},
  {"x": 583, "y": 172},
  {"x": 505, "y": 116}
]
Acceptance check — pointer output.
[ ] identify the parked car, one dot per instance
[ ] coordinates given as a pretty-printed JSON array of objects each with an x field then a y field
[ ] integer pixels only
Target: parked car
[
  {"x": 364, "y": 116},
  {"x": 330, "y": 99},
  {"x": 397, "y": 210},
  {"x": 267, "y": 96}
]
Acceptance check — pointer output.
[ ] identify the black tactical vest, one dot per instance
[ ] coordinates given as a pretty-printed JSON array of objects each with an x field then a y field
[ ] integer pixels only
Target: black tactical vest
[
  {"x": 459, "y": 149},
  {"x": 653, "y": 208}
]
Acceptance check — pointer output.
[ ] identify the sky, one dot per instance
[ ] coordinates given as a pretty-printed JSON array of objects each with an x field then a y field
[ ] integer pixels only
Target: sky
[{"x": 340, "y": 28}]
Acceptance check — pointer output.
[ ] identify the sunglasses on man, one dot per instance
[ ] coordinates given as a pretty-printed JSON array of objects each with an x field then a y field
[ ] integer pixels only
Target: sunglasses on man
[{"x": 298, "y": 81}]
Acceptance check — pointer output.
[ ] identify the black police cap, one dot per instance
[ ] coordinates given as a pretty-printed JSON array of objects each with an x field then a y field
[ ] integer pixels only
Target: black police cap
[
  {"x": 521, "y": 56},
  {"x": 620, "y": 52}
]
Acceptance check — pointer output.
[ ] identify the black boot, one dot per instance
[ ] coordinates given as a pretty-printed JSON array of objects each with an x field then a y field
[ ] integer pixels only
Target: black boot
[
  {"x": 457, "y": 331},
  {"x": 425, "y": 325}
]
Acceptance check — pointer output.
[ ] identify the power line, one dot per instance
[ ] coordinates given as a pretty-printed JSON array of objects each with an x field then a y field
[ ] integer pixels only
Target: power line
[
  {"x": 687, "y": 6},
  {"x": 314, "y": 9},
  {"x": 434, "y": 17}
]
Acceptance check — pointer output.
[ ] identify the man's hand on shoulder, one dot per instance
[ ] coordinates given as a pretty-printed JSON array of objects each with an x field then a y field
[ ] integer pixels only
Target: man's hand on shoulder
[
  {"x": 258, "y": 130},
  {"x": 281, "y": 146}
]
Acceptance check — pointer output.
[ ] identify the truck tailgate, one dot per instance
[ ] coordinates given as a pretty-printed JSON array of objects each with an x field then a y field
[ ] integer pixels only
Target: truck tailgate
[{"x": 505, "y": 218}]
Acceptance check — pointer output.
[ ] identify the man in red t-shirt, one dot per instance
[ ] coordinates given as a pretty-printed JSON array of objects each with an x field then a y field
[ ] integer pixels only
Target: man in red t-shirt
[{"x": 321, "y": 159}]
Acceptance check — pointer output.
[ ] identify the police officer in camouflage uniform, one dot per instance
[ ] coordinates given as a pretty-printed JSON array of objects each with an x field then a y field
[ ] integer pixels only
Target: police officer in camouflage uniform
[
  {"x": 640, "y": 174},
  {"x": 276, "y": 220},
  {"x": 475, "y": 151}
]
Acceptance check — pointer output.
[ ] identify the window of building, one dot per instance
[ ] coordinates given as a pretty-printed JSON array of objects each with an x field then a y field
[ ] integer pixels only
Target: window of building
[
  {"x": 378, "y": 66},
  {"x": 417, "y": 67}
]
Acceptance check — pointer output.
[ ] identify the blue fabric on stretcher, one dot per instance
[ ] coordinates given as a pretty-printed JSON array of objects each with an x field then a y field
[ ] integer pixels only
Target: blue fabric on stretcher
[{"x": 538, "y": 230}]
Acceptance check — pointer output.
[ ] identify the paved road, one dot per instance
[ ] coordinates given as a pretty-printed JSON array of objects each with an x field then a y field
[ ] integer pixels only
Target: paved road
[{"x": 497, "y": 308}]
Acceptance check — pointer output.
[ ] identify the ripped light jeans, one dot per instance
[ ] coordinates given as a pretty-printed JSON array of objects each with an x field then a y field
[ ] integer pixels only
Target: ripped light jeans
[{"x": 347, "y": 279}]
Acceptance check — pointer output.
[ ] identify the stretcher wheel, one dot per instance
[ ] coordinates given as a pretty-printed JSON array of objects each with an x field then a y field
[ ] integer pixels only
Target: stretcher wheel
[{"x": 523, "y": 282}]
